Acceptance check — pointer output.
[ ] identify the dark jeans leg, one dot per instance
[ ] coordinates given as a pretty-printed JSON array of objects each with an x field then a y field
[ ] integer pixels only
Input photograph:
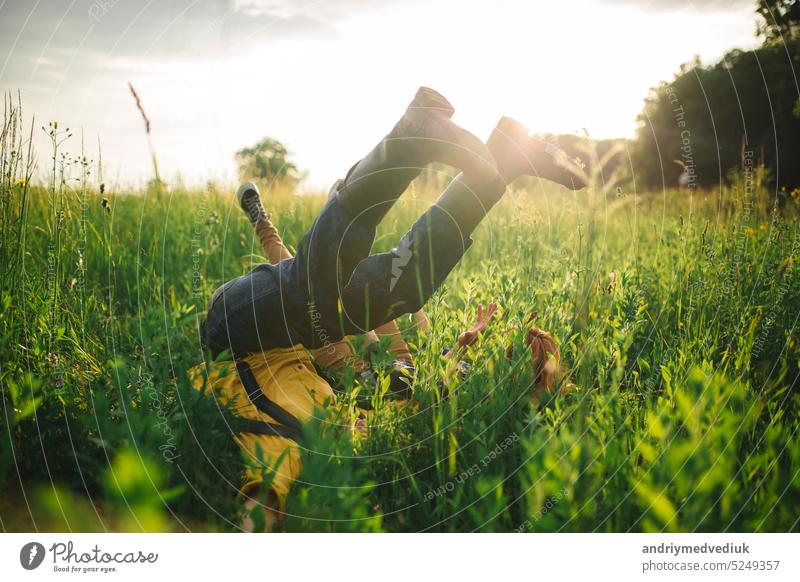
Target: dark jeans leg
[
  {"x": 326, "y": 258},
  {"x": 387, "y": 285}
]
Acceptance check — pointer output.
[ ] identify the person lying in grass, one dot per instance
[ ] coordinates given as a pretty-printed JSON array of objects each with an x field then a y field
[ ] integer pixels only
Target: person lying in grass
[
  {"x": 265, "y": 450},
  {"x": 276, "y": 456},
  {"x": 265, "y": 321}
]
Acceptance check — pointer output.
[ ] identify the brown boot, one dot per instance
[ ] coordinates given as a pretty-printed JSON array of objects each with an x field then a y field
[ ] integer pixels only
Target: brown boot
[{"x": 518, "y": 154}]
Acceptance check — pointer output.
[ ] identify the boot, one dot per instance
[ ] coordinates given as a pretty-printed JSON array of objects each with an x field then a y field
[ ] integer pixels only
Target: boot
[
  {"x": 425, "y": 134},
  {"x": 518, "y": 154}
]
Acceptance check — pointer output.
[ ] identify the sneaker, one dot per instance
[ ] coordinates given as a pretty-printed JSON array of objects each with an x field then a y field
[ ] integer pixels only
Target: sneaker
[{"x": 250, "y": 201}]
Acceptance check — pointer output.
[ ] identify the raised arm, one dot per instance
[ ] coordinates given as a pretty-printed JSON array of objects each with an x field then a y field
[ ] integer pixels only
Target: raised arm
[{"x": 457, "y": 364}]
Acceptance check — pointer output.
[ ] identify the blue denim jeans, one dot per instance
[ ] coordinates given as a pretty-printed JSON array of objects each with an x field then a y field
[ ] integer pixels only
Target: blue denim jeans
[{"x": 333, "y": 287}]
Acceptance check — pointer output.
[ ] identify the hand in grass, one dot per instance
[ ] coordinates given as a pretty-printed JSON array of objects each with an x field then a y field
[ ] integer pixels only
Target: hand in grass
[{"x": 470, "y": 336}]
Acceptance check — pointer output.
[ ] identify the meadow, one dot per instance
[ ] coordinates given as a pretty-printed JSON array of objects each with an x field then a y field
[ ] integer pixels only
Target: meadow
[{"x": 676, "y": 311}]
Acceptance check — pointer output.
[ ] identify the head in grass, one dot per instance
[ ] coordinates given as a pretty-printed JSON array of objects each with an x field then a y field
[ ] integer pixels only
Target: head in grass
[
  {"x": 544, "y": 353},
  {"x": 545, "y": 358}
]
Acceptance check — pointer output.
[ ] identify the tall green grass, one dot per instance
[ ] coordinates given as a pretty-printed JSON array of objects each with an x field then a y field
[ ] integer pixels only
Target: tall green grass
[{"x": 676, "y": 312}]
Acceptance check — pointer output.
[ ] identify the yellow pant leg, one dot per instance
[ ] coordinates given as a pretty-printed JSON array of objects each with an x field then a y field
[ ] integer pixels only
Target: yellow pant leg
[
  {"x": 263, "y": 456},
  {"x": 287, "y": 377}
]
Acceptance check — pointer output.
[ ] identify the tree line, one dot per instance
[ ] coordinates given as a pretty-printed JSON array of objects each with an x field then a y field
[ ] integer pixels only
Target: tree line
[{"x": 710, "y": 119}]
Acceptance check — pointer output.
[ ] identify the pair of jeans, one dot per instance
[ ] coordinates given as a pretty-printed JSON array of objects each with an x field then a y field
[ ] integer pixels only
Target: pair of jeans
[{"x": 333, "y": 287}]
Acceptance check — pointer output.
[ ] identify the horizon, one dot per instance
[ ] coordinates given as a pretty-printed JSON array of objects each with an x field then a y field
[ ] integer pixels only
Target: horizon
[{"x": 328, "y": 79}]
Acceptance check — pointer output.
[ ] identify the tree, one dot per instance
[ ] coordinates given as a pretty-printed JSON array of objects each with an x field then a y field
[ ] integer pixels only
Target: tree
[
  {"x": 269, "y": 161},
  {"x": 703, "y": 120},
  {"x": 780, "y": 20}
]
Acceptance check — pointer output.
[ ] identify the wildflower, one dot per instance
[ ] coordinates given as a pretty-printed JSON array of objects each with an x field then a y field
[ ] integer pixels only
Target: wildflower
[
  {"x": 593, "y": 314},
  {"x": 21, "y": 182},
  {"x": 750, "y": 231}
]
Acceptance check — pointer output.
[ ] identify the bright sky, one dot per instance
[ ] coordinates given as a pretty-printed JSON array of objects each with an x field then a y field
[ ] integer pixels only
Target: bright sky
[{"x": 329, "y": 77}]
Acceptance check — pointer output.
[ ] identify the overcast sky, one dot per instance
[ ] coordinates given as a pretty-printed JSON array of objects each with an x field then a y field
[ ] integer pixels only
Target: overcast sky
[{"x": 329, "y": 77}]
